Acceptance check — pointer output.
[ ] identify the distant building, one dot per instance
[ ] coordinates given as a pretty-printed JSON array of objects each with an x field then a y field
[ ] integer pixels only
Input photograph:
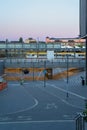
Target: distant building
[
  {"x": 2, "y": 41},
  {"x": 64, "y": 41},
  {"x": 50, "y": 40},
  {"x": 30, "y": 40},
  {"x": 14, "y": 42}
]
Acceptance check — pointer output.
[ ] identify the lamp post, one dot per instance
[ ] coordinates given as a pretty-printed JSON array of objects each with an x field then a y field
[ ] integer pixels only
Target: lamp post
[
  {"x": 33, "y": 70},
  {"x": 67, "y": 94},
  {"x": 37, "y": 51},
  {"x": 44, "y": 73}
]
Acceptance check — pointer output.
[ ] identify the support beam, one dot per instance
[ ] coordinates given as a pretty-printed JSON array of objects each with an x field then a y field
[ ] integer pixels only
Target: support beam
[{"x": 86, "y": 63}]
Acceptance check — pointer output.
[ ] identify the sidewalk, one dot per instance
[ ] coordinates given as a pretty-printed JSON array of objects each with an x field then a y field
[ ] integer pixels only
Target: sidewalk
[{"x": 77, "y": 93}]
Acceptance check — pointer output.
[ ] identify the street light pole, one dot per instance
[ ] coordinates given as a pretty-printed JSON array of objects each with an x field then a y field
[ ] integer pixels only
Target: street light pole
[
  {"x": 67, "y": 94},
  {"x": 67, "y": 69},
  {"x": 86, "y": 63},
  {"x": 33, "y": 70},
  {"x": 44, "y": 73},
  {"x": 37, "y": 51}
]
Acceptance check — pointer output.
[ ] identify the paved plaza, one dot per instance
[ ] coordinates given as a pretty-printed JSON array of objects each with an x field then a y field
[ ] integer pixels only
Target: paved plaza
[{"x": 35, "y": 106}]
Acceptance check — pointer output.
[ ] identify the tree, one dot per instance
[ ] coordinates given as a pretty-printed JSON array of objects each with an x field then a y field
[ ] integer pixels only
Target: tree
[
  {"x": 21, "y": 39},
  {"x": 6, "y": 40}
]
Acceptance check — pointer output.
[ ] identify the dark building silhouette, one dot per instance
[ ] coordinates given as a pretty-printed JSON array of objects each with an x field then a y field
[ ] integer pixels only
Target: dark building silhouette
[
  {"x": 83, "y": 27},
  {"x": 83, "y": 18}
]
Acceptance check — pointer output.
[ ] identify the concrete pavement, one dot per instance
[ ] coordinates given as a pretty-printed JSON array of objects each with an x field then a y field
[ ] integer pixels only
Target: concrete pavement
[
  {"x": 25, "y": 101},
  {"x": 15, "y": 95},
  {"x": 77, "y": 93}
]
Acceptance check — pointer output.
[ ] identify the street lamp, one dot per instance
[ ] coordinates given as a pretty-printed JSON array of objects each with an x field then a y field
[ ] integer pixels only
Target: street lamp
[
  {"x": 33, "y": 70},
  {"x": 67, "y": 94},
  {"x": 37, "y": 51},
  {"x": 44, "y": 73}
]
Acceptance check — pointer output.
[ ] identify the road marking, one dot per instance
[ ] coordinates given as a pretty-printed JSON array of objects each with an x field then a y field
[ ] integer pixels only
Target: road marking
[
  {"x": 39, "y": 75},
  {"x": 28, "y": 118},
  {"x": 26, "y": 109},
  {"x": 45, "y": 121},
  {"x": 5, "y": 118},
  {"x": 63, "y": 90},
  {"x": 84, "y": 98},
  {"x": 68, "y": 91},
  {"x": 66, "y": 102},
  {"x": 17, "y": 84},
  {"x": 31, "y": 107},
  {"x": 51, "y": 106}
]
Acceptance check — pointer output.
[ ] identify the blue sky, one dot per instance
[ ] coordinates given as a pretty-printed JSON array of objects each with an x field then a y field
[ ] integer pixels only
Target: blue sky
[{"x": 38, "y": 19}]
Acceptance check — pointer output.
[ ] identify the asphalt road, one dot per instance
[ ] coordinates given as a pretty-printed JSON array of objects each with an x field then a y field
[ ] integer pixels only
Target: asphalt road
[
  {"x": 54, "y": 125},
  {"x": 32, "y": 106}
]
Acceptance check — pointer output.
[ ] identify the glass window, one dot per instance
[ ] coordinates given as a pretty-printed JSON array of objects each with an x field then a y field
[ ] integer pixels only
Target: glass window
[
  {"x": 26, "y": 45},
  {"x": 50, "y": 45},
  {"x": 2, "y": 45}
]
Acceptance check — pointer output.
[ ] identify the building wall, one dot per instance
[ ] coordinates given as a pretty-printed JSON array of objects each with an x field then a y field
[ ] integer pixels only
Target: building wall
[
  {"x": 83, "y": 18},
  {"x": 49, "y": 40},
  {"x": 30, "y": 40}
]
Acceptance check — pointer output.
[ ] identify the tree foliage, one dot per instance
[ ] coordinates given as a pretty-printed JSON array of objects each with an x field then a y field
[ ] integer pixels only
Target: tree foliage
[{"x": 21, "y": 39}]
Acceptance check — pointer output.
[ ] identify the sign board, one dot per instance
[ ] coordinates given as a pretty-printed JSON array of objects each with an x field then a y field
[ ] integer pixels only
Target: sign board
[
  {"x": 44, "y": 71},
  {"x": 50, "y": 55}
]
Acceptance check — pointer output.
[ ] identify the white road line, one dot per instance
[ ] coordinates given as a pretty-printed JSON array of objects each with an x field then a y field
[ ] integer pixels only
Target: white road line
[
  {"x": 26, "y": 109},
  {"x": 13, "y": 84},
  {"x": 31, "y": 107},
  {"x": 63, "y": 90},
  {"x": 39, "y": 75},
  {"x": 68, "y": 91},
  {"x": 66, "y": 102},
  {"x": 45, "y": 121}
]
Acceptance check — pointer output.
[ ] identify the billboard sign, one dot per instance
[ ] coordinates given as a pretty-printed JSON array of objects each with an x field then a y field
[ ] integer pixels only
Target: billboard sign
[{"x": 50, "y": 55}]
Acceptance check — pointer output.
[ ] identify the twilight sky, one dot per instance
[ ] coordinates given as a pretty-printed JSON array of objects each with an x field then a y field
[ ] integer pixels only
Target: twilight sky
[{"x": 38, "y": 19}]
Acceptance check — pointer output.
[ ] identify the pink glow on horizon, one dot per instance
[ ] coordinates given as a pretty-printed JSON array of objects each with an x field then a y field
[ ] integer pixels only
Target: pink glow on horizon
[{"x": 38, "y": 18}]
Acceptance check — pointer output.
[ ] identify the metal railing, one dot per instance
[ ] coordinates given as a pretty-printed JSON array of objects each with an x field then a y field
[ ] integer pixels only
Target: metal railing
[{"x": 80, "y": 121}]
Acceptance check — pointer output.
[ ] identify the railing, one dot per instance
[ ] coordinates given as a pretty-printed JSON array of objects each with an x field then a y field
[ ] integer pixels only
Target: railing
[
  {"x": 80, "y": 121},
  {"x": 60, "y": 62}
]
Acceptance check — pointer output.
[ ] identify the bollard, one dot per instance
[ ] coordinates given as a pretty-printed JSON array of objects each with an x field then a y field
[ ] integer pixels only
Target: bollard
[{"x": 83, "y": 82}]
